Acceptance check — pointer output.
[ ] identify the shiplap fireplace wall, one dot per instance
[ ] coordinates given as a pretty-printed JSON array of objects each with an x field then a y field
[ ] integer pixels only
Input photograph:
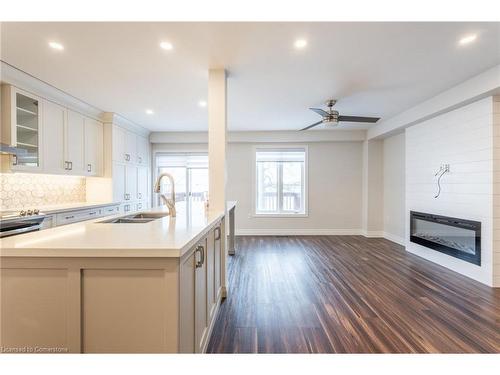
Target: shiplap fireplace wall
[{"x": 467, "y": 139}]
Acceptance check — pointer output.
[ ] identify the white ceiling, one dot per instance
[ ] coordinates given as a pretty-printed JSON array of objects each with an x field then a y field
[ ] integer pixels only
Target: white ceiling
[{"x": 374, "y": 69}]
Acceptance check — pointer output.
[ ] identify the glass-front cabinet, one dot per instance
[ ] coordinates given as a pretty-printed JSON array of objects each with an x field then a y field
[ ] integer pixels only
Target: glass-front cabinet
[{"x": 21, "y": 121}]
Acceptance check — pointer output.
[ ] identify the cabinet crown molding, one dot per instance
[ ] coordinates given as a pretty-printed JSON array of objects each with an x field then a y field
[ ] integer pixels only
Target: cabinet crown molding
[{"x": 115, "y": 118}]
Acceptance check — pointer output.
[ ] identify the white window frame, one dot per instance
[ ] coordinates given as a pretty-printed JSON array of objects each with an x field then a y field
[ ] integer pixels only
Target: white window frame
[
  {"x": 255, "y": 213},
  {"x": 156, "y": 198}
]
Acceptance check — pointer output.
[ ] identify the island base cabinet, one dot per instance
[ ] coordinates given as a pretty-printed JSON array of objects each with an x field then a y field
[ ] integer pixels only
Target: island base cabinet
[
  {"x": 124, "y": 310},
  {"x": 111, "y": 305}
]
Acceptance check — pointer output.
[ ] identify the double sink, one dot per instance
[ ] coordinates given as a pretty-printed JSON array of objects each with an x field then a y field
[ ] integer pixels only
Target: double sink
[{"x": 144, "y": 217}]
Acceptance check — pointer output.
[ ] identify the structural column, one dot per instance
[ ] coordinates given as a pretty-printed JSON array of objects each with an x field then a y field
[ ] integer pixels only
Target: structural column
[
  {"x": 217, "y": 142},
  {"x": 373, "y": 189}
]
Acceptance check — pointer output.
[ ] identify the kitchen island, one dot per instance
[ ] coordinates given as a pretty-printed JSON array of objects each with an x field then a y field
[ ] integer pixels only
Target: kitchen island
[{"x": 103, "y": 287}]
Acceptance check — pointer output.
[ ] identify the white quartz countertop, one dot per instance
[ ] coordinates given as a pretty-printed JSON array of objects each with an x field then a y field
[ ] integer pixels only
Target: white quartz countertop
[{"x": 164, "y": 237}]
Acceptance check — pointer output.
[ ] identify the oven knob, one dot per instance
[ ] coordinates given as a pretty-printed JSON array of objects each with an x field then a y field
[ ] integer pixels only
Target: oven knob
[
  {"x": 22, "y": 213},
  {"x": 29, "y": 212},
  {"x": 36, "y": 211}
]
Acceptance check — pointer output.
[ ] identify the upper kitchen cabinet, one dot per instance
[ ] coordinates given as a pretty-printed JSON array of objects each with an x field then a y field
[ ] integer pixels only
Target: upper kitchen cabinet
[
  {"x": 93, "y": 147},
  {"x": 118, "y": 144},
  {"x": 124, "y": 145},
  {"x": 53, "y": 119},
  {"x": 74, "y": 145},
  {"x": 130, "y": 147},
  {"x": 21, "y": 126},
  {"x": 142, "y": 150}
]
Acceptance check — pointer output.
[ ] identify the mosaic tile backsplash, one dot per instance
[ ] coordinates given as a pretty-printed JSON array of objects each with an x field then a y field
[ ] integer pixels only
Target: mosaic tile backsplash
[{"x": 24, "y": 190}]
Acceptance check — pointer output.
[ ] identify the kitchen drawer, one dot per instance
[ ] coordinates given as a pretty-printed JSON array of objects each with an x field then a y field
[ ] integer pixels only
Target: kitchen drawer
[
  {"x": 75, "y": 216},
  {"x": 49, "y": 222},
  {"x": 110, "y": 210}
]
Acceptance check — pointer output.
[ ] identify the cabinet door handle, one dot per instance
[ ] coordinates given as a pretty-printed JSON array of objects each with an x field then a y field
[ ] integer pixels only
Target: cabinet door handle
[
  {"x": 217, "y": 237},
  {"x": 66, "y": 165},
  {"x": 70, "y": 165},
  {"x": 200, "y": 249},
  {"x": 14, "y": 159},
  {"x": 89, "y": 167},
  {"x": 140, "y": 159},
  {"x": 140, "y": 195}
]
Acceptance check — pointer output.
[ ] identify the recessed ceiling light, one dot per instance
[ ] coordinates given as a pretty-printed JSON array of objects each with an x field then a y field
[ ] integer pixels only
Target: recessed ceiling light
[
  {"x": 149, "y": 111},
  {"x": 202, "y": 103},
  {"x": 300, "y": 43},
  {"x": 56, "y": 45},
  {"x": 166, "y": 46},
  {"x": 467, "y": 39}
]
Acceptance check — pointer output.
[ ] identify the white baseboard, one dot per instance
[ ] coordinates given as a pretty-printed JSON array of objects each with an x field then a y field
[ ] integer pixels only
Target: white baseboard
[
  {"x": 321, "y": 232},
  {"x": 298, "y": 232},
  {"x": 391, "y": 237},
  {"x": 372, "y": 233}
]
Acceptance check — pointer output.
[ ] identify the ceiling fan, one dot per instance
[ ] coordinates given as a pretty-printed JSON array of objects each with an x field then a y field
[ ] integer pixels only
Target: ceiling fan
[{"x": 330, "y": 116}]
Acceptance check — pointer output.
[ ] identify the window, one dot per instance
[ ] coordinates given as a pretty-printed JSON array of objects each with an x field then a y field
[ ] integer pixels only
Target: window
[
  {"x": 190, "y": 172},
  {"x": 280, "y": 181}
]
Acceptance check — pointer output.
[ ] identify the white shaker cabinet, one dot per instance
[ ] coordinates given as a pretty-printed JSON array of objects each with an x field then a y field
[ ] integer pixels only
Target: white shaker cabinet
[
  {"x": 53, "y": 119},
  {"x": 130, "y": 182},
  {"x": 130, "y": 147},
  {"x": 93, "y": 147},
  {"x": 142, "y": 150},
  {"x": 118, "y": 182},
  {"x": 22, "y": 128},
  {"x": 118, "y": 144},
  {"x": 74, "y": 144},
  {"x": 142, "y": 183}
]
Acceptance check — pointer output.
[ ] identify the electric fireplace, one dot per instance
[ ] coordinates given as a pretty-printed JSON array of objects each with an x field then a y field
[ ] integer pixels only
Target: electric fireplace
[{"x": 459, "y": 238}]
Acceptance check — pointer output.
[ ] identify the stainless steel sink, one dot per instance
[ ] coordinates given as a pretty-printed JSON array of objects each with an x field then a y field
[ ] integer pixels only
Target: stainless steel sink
[
  {"x": 139, "y": 218},
  {"x": 126, "y": 220},
  {"x": 149, "y": 215}
]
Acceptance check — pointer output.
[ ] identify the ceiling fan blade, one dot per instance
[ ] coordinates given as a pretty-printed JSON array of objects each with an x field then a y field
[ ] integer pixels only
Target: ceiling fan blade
[
  {"x": 359, "y": 119},
  {"x": 313, "y": 125},
  {"x": 319, "y": 111}
]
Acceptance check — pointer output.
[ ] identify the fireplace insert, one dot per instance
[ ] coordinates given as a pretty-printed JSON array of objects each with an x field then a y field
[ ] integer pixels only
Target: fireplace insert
[{"x": 459, "y": 238}]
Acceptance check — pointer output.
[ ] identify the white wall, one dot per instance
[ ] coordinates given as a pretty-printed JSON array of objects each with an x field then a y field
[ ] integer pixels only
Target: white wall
[
  {"x": 462, "y": 138},
  {"x": 334, "y": 197},
  {"x": 334, "y": 174},
  {"x": 394, "y": 188}
]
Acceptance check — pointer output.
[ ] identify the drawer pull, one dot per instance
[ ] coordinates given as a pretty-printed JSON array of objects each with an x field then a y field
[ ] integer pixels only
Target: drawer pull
[{"x": 69, "y": 217}]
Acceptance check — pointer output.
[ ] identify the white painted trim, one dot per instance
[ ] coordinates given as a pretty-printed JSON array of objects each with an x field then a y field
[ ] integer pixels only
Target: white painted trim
[
  {"x": 321, "y": 232},
  {"x": 33, "y": 85},
  {"x": 475, "y": 88},
  {"x": 306, "y": 180},
  {"x": 264, "y": 136},
  {"x": 115, "y": 118},
  {"x": 373, "y": 234},
  {"x": 298, "y": 232},
  {"x": 391, "y": 237}
]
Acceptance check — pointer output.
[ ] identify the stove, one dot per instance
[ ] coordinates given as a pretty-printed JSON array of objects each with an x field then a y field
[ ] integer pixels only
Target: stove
[{"x": 18, "y": 222}]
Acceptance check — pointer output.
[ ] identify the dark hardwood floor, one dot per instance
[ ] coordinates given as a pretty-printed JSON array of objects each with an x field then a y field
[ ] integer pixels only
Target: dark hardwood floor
[{"x": 349, "y": 294}]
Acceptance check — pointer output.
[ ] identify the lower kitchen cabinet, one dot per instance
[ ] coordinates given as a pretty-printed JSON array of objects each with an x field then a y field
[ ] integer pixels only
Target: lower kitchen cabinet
[
  {"x": 200, "y": 292},
  {"x": 112, "y": 304}
]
